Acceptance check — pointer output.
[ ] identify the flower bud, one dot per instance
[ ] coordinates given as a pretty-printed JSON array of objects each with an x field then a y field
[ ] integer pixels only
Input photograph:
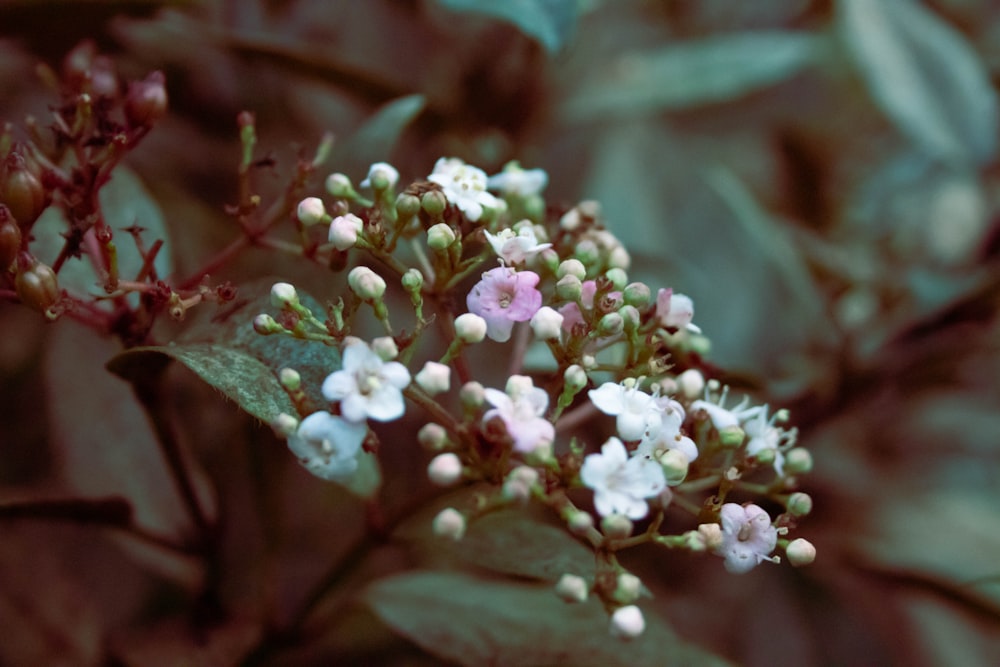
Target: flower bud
[
  {"x": 572, "y": 588},
  {"x": 434, "y": 378},
  {"x": 570, "y": 220},
  {"x": 619, "y": 258},
  {"x": 587, "y": 252},
  {"x": 616, "y": 526},
  {"x": 637, "y": 294},
  {"x": 146, "y": 100},
  {"x": 580, "y": 522},
  {"x": 799, "y": 504},
  {"x": 798, "y": 461},
  {"x": 445, "y": 469},
  {"x": 266, "y": 325},
  {"x": 368, "y": 285},
  {"x": 627, "y": 622},
  {"x": 712, "y": 535},
  {"x": 575, "y": 378},
  {"x": 611, "y": 324},
  {"x": 628, "y": 588},
  {"x": 630, "y": 317},
  {"x": 311, "y": 211},
  {"x": 283, "y": 294},
  {"x": 569, "y": 288},
  {"x": 470, "y": 328},
  {"x": 765, "y": 457},
  {"x": 550, "y": 259},
  {"x": 37, "y": 286},
  {"x": 675, "y": 466},
  {"x": 385, "y": 347},
  {"x": 413, "y": 280},
  {"x": 340, "y": 186},
  {"x": 432, "y": 437},
  {"x": 588, "y": 361},
  {"x": 434, "y": 202},
  {"x": 407, "y": 206},
  {"x": 800, "y": 552},
  {"x": 731, "y": 436},
  {"x": 449, "y": 523},
  {"x": 290, "y": 379},
  {"x": 691, "y": 383},
  {"x": 284, "y": 425},
  {"x": 618, "y": 278},
  {"x": 21, "y": 190},
  {"x": 547, "y": 323},
  {"x": 381, "y": 176},
  {"x": 10, "y": 238},
  {"x": 473, "y": 395},
  {"x": 440, "y": 236},
  {"x": 572, "y": 267}
]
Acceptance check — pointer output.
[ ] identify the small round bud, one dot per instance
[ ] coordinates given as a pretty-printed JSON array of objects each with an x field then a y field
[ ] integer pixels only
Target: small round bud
[
  {"x": 675, "y": 466},
  {"x": 731, "y": 436},
  {"x": 340, "y": 186},
  {"x": 473, "y": 395},
  {"x": 413, "y": 280},
  {"x": 434, "y": 378},
  {"x": 712, "y": 535},
  {"x": 575, "y": 378},
  {"x": 37, "y": 286},
  {"x": 627, "y": 622},
  {"x": 381, "y": 176},
  {"x": 611, "y": 324},
  {"x": 470, "y": 328},
  {"x": 572, "y": 267},
  {"x": 800, "y": 552},
  {"x": 616, "y": 526},
  {"x": 798, "y": 461},
  {"x": 547, "y": 323},
  {"x": 10, "y": 238},
  {"x": 385, "y": 347},
  {"x": 550, "y": 259},
  {"x": 799, "y": 504},
  {"x": 449, "y": 523},
  {"x": 290, "y": 379},
  {"x": 630, "y": 317},
  {"x": 765, "y": 457},
  {"x": 434, "y": 202},
  {"x": 637, "y": 294},
  {"x": 525, "y": 474},
  {"x": 570, "y": 220},
  {"x": 368, "y": 285},
  {"x": 344, "y": 231},
  {"x": 618, "y": 278},
  {"x": 588, "y": 361},
  {"x": 580, "y": 522},
  {"x": 440, "y": 236},
  {"x": 515, "y": 490},
  {"x": 432, "y": 437},
  {"x": 311, "y": 211},
  {"x": 284, "y": 425},
  {"x": 407, "y": 206},
  {"x": 572, "y": 588},
  {"x": 266, "y": 325},
  {"x": 146, "y": 100},
  {"x": 691, "y": 383},
  {"x": 629, "y": 588},
  {"x": 587, "y": 252},
  {"x": 21, "y": 190},
  {"x": 445, "y": 469},
  {"x": 569, "y": 288},
  {"x": 619, "y": 258},
  {"x": 283, "y": 294}
]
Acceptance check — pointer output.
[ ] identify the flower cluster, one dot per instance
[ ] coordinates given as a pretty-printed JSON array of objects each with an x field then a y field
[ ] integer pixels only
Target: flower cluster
[{"x": 548, "y": 294}]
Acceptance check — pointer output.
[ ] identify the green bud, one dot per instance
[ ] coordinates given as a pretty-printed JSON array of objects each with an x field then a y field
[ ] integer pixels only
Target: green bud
[
  {"x": 413, "y": 280},
  {"x": 630, "y": 316},
  {"x": 579, "y": 522},
  {"x": 339, "y": 185},
  {"x": 618, "y": 278},
  {"x": 290, "y": 379},
  {"x": 572, "y": 588},
  {"x": 798, "y": 461},
  {"x": 575, "y": 378},
  {"x": 611, "y": 324},
  {"x": 434, "y": 202},
  {"x": 731, "y": 436},
  {"x": 799, "y": 504},
  {"x": 616, "y": 527},
  {"x": 37, "y": 286},
  {"x": 637, "y": 294},
  {"x": 440, "y": 236},
  {"x": 432, "y": 437},
  {"x": 569, "y": 288},
  {"x": 572, "y": 267},
  {"x": 473, "y": 395},
  {"x": 675, "y": 466},
  {"x": 407, "y": 206},
  {"x": 800, "y": 552},
  {"x": 628, "y": 590}
]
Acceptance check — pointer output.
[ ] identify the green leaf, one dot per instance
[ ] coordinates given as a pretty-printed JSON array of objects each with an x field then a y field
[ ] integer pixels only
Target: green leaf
[
  {"x": 476, "y": 622},
  {"x": 924, "y": 76},
  {"x": 550, "y": 22},
  {"x": 711, "y": 70}
]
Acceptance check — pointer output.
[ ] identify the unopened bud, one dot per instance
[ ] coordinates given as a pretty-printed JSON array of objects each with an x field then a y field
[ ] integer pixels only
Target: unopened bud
[
  {"x": 473, "y": 395},
  {"x": 407, "y": 206},
  {"x": 470, "y": 328},
  {"x": 628, "y": 589},
  {"x": 440, "y": 236},
  {"x": 21, "y": 190},
  {"x": 368, "y": 285},
  {"x": 284, "y": 425},
  {"x": 619, "y": 258},
  {"x": 146, "y": 100},
  {"x": 311, "y": 211},
  {"x": 691, "y": 383},
  {"x": 283, "y": 294},
  {"x": 569, "y": 288},
  {"x": 611, "y": 324},
  {"x": 616, "y": 526},
  {"x": 630, "y": 317},
  {"x": 434, "y": 378},
  {"x": 10, "y": 238},
  {"x": 798, "y": 461},
  {"x": 800, "y": 552},
  {"x": 413, "y": 280},
  {"x": 381, "y": 176},
  {"x": 266, "y": 325},
  {"x": 572, "y": 267},
  {"x": 675, "y": 466},
  {"x": 546, "y": 323},
  {"x": 580, "y": 522},
  {"x": 344, "y": 231},
  {"x": 731, "y": 436},
  {"x": 449, "y": 523},
  {"x": 587, "y": 252},
  {"x": 432, "y": 437},
  {"x": 575, "y": 378},
  {"x": 445, "y": 469},
  {"x": 434, "y": 202},
  {"x": 637, "y": 294},
  {"x": 627, "y": 622},
  {"x": 385, "y": 347},
  {"x": 340, "y": 186},
  {"x": 37, "y": 286},
  {"x": 572, "y": 588},
  {"x": 799, "y": 504},
  {"x": 618, "y": 278},
  {"x": 290, "y": 379}
]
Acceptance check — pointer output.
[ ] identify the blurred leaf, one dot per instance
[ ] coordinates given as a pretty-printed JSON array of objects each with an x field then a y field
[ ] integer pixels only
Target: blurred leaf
[
  {"x": 696, "y": 73},
  {"x": 125, "y": 202},
  {"x": 374, "y": 141},
  {"x": 550, "y": 22},
  {"x": 924, "y": 76},
  {"x": 511, "y": 542},
  {"x": 477, "y": 622}
]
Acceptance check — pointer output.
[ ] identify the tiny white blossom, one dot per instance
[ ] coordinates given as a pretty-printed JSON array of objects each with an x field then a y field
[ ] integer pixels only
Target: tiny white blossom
[
  {"x": 675, "y": 310},
  {"x": 514, "y": 180},
  {"x": 621, "y": 484},
  {"x": 521, "y": 408},
  {"x": 764, "y": 435},
  {"x": 383, "y": 170},
  {"x": 367, "y": 386},
  {"x": 327, "y": 446},
  {"x": 515, "y": 247},
  {"x": 636, "y": 411},
  {"x": 464, "y": 186},
  {"x": 722, "y": 417},
  {"x": 747, "y": 537}
]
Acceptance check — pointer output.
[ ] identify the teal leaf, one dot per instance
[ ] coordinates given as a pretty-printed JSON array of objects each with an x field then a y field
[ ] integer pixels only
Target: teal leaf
[
  {"x": 924, "y": 76},
  {"x": 550, "y": 22},
  {"x": 473, "y": 621},
  {"x": 692, "y": 74}
]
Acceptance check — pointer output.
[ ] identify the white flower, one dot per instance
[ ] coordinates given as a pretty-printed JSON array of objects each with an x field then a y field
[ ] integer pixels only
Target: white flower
[
  {"x": 675, "y": 310},
  {"x": 327, "y": 446},
  {"x": 382, "y": 170},
  {"x": 636, "y": 411},
  {"x": 515, "y": 247},
  {"x": 622, "y": 484},
  {"x": 514, "y": 180},
  {"x": 747, "y": 537},
  {"x": 668, "y": 436},
  {"x": 366, "y": 386},
  {"x": 723, "y": 418},
  {"x": 521, "y": 409},
  {"x": 765, "y": 435},
  {"x": 464, "y": 186}
]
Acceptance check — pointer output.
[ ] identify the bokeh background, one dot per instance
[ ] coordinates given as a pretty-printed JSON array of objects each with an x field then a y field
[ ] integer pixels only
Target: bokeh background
[{"x": 821, "y": 177}]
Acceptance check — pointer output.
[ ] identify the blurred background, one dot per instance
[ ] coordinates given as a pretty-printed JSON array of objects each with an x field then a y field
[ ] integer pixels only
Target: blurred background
[{"x": 820, "y": 177}]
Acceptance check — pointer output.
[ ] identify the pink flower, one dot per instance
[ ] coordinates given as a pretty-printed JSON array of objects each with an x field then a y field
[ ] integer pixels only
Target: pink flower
[
  {"x": 505, "y": 296},
  {"x": 675, "y": 311},
  {"x": 747, "y": 537}
]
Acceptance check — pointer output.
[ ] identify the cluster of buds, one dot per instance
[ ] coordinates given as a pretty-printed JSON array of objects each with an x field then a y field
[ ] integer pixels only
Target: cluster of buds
[{"x": 620, "y": 354}]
